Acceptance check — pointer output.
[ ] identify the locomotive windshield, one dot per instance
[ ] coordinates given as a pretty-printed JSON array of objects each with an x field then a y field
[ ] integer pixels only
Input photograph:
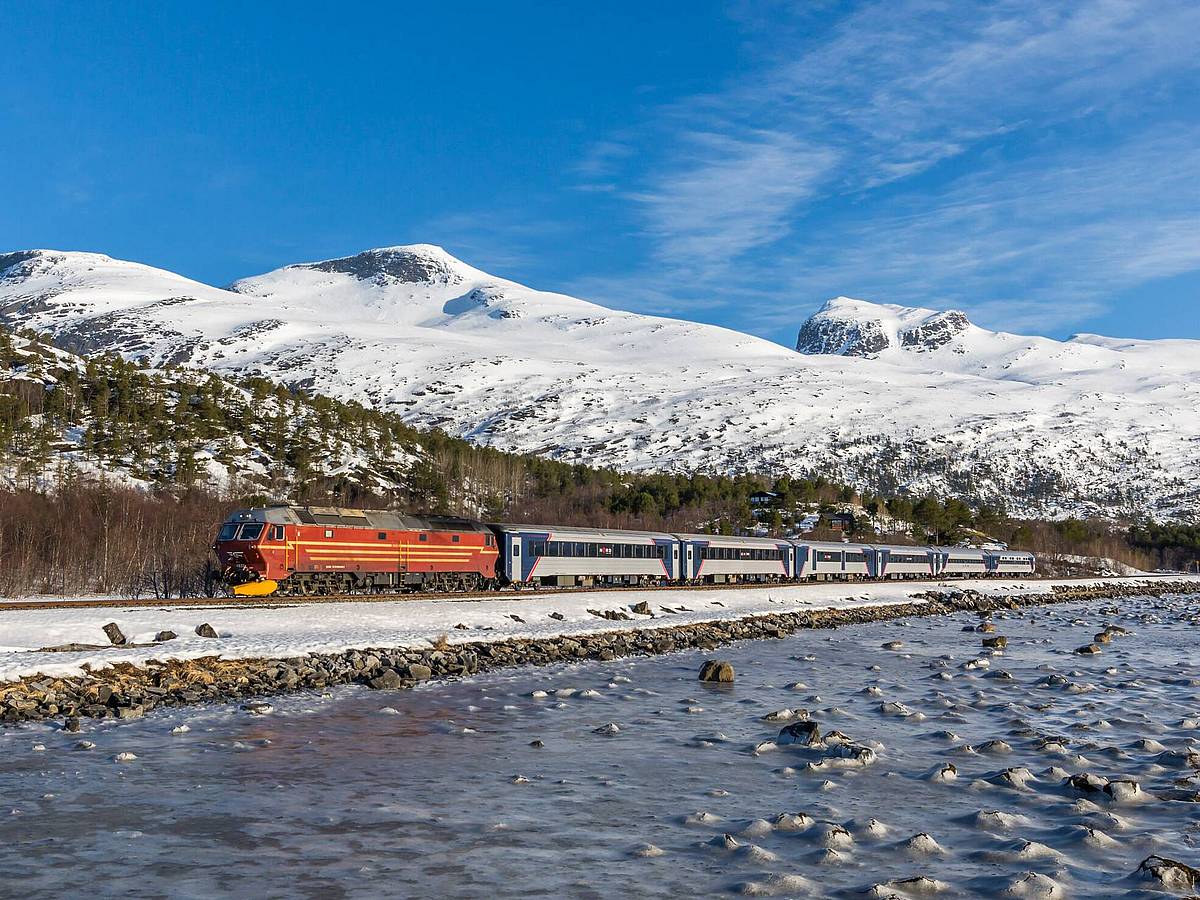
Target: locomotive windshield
[
  {"x": 250, "y": 531},
  {"x": 228, "y": 530}
]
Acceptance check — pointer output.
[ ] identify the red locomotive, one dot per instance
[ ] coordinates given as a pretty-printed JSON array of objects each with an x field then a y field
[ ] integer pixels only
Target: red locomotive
[{"x": 326, "y": 550}]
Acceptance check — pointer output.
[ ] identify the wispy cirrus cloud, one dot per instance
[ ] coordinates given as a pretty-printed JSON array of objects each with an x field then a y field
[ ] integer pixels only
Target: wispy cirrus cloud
[
  {"x": 732, "y": 194},
  {"x": 1021, "y": 162}
]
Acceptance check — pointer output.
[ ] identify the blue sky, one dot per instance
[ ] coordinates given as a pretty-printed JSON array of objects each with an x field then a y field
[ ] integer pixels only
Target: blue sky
[{"x": 1037, "y": 165}]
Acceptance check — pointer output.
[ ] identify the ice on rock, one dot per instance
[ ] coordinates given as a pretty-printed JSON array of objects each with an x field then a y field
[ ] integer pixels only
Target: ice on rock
[
  {"x": 646, "y": 851},
  {"x": 701, "y": 819},
  {"x": 779, "y": 885},
  {"x": 833, "y": 836},
  {"x": 757, "y": 828},
  {"x": 923, "y": 844},
  {"x": 1034, "y": 886},
  {"x": 997, "y": 820},
  {"x": 724, "y": 841},
  {"x": 793, "y": 822},
  {"x": 917, "y": 886}
]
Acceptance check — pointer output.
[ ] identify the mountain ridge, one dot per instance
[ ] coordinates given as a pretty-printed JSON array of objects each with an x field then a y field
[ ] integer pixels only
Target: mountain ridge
[{"x": 887, "y": 398}]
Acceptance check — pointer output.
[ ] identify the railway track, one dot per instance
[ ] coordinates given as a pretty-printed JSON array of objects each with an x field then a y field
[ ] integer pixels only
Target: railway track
[{"x": 470, "y": 596}]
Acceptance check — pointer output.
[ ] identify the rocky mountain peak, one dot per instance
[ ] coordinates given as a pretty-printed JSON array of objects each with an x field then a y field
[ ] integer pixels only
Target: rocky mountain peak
[
  {"x": 405, "y": 264},
  {"x": 848, "y": 327}
]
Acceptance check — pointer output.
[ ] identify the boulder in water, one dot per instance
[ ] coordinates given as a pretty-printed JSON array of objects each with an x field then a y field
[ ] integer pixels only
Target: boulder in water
[
  {"x": 804, "y": 733},
  {"x": 717, "y": 670},
  {"x": 1170, "y": 873}
]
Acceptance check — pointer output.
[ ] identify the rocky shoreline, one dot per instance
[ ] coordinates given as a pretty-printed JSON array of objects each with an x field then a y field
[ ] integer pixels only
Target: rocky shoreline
[{"x": 125, "y": 691}]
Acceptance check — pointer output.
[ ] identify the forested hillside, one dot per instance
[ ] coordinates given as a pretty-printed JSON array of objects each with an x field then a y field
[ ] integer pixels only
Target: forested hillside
[{"x": 114, "y": 476}]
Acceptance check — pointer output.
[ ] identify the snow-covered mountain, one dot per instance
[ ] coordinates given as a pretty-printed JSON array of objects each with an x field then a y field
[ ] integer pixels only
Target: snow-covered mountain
[{"x": 882, "y": 396}]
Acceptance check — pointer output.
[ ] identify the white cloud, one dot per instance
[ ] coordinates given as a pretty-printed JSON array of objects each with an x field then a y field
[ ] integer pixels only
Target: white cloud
[
  {"x": 733, "y": 194},
  {"x": 1022, "y": 162}
]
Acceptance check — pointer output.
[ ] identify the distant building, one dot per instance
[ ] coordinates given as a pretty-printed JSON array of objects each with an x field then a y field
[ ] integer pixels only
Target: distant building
[
  {"x": 764, "y": 498},
  {"x": 842, "y": 521}
]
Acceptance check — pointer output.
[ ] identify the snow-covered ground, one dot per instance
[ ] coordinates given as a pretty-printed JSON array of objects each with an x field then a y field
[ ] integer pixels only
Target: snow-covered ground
[
  {"x": 283, "y": 630},
  {"x": 883, "y": 397}
]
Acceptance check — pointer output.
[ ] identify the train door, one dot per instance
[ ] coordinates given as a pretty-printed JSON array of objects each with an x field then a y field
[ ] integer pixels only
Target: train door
[
  {"x": 514, "y": 561},
  {"x": 882, "y": 556},
  {"x": 689, "y": 571}
]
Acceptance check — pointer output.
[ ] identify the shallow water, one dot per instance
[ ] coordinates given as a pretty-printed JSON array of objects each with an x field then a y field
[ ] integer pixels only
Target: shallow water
[{"x": 437, "y": 791}]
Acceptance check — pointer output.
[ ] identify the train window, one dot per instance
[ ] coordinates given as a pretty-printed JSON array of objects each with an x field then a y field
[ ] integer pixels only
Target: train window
[
  {"x": 487, "y": 540},
  {"x": 516, "y": 551},
  {"x": 423, "y": 537},
  {"x": 454, "y": 538},
  {"x": 277, "y": 533},
  {"x": 383, "y": 535},
  {"x": 250, "y": 532},
  {"x": 228, "y": 530},
  {"x": 328, "y": 532}
]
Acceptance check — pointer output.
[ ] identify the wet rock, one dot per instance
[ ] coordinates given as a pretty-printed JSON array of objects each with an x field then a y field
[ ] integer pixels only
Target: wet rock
[
  {"x": 387, "y": 680},
  {"x": 717, "y": 670},
  {"x": 892, "y": 645},
  {"x": 557, "y": 615},
  {"x": 206, "y": 631},
  {"x": 536, "y": 743},
  {"x": 114, "y": 634},
  {"x": 1170, "y": 873},
  {"x": 71, "y": 725},
  {"x": 998, "y": 642},
  {"x": 805, "y": 733},
  {"x": 125, "y": 756},
  {"x": 785, "y": 715},
  {"x": 1087, "y": 650},
  {"x": 1087, "y": 783},
  {"x": 642, "y": 609},
  {"x": 1101, "y": 637},
  {"x": 84, "y": 745},
  {"x": 610, "y": 728},
  {"x": 165, "y": 636}
]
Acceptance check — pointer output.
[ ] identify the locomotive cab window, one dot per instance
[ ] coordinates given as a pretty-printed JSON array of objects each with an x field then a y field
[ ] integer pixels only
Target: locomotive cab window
[
  {"x": 423, "y": 537},
  {"x": 382, "y": 535},
  {"x": 228, "y": 530},
  {"x": 277, "y": 533},
  {"x": 454, "y": 538},
  {"x": 251, "y": 531}
]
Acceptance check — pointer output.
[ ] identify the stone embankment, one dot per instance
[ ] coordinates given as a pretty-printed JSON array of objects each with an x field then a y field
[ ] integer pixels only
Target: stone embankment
[{"x": 126, "y": 691}]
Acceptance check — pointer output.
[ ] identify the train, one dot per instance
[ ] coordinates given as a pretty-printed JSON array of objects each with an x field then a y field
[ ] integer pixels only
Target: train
[{"x": 304, "y": 550}]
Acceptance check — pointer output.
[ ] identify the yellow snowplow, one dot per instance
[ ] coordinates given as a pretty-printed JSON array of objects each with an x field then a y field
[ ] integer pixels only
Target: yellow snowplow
[{"x": 256, "y": 588}]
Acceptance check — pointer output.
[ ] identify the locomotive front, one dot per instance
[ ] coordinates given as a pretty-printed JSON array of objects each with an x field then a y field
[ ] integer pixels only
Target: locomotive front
[{"x": 240, "y": 548}]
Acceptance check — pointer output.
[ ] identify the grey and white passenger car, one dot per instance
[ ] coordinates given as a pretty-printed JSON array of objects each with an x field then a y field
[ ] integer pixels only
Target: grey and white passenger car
[
  {"x": 823, "y": 560},
  {"x": 716, "y": 559},
  {"x": 1010, "y": 562},
  {"x": 582, "y": 557},
  {"x": 961, "y": 562}
]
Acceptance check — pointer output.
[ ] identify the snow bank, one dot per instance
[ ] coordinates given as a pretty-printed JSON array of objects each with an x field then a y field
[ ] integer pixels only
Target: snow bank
[{"x": 283, "y": 630}]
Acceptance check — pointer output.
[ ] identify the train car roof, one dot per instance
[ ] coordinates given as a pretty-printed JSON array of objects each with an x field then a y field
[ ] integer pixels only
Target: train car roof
[
  {"x": 732, "y": 539},
  {"x": 830, "y": 545},
  {"x": 565, "y": 531}
]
